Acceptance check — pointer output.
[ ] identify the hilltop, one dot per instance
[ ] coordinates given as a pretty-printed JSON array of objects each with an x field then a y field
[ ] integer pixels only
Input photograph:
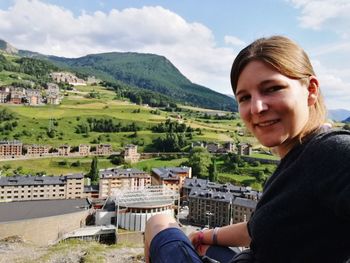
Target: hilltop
[{"x": 148, "y": 75}]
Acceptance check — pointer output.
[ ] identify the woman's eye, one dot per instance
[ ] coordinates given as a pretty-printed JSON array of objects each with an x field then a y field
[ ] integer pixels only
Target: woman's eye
[
  {"x": 243, "y": 98},
  {"x": 274, "y": 88}
]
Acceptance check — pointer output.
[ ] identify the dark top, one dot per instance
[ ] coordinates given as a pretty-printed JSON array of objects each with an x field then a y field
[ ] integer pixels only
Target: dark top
[{"x": 304, "y": 212}]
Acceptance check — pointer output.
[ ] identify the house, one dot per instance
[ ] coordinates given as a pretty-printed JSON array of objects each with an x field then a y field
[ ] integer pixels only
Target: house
[
  {"x": 244, "y": 149},
  {"x": 104, "y": 149},
  {"x": 213, "y": 204},
  {"x": 230, "y": 147},
  {"x": 4, "y": 94},
  {"x": 84, "y": 149},
  {"x": 10, "y": 149},
  {"x": 213, "y": 147},
  {"x": 33, "y": 96},
  {"x": 243, "y": 209},
  {"x": 37, "y": 150},
  {"x": 64, "y": 150},
  {"x": 67, "y": 77},
  {"x": 209, "y": 208},
  {"x": 172, "y": 177},
  {"x": 130, "y": 154},
  {"x": 113, "y": 179},
  {"x": 16, "y": 95},
  {"x": 24, "y": 188},
  {"x": 53, "y": 94}
]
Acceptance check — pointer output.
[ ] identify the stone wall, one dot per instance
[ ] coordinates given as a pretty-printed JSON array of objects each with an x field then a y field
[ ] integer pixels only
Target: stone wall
[{"x": 43, "y": 231}]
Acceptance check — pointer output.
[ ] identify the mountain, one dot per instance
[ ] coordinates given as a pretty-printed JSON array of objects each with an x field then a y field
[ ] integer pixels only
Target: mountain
[
  {"x": 338, "y": 114},
  {"x": 347, "y": 120},
  {"x": 144, "y": 71},
  {"x": 7, "y": 47},
  {"x": 147, "y": 71}
]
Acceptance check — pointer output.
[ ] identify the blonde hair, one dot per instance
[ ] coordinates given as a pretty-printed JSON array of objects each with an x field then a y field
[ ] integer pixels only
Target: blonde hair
[{"x": 289, "y": 59}]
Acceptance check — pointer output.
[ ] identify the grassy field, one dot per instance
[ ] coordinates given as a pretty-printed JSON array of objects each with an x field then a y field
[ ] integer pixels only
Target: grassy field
[
  {"x": 34, "y": 121},
  {"x": 53, "y": 166}
]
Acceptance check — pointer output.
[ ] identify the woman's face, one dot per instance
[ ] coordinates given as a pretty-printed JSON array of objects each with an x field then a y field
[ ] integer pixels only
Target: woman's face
[{"x": 273, "y": 107}]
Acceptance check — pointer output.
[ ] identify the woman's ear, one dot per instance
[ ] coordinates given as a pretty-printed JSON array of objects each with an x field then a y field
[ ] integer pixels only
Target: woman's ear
[{"x": 313, "y": 89}]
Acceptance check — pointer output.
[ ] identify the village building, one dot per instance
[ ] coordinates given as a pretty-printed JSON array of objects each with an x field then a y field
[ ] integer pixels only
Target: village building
[
  {"x": 53, "y": 94},
  {"x": 64, "y": 150},
  {"x": 23, "y": 188},
  {"x": 213, "y": 204},
  {"x": 37, "y": 150},
  {"x": 172, "y": 177},
  {"x": 10, "y": 148},
  {"x": 104, "y": 149},
  {"x": 130, "y": 154},
  {"x": 208, "y": 208},
  {"x": 197, "y": 144},
  {"x": 84, "y": 149},
  {"x": 230, "y": 147},
  {"x": 67, "y": 77},
  {"x": 113, "y": 179},
  {"x": 16, "y": 95},
  {"x": 4, "y": 94},
  {"x": 244, "y": 149},
  {"x": 33, "y": 96},
  {"x": 212, "y": 147},
  {"x": 243, "y": 209}
]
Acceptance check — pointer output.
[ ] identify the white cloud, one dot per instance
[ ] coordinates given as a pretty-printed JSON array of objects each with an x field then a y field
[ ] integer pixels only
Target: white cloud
[
  {"x": 234, "y": 41},
  {"x": 51, "y": 29},
  {"x": 318, "y": 13},
  {"x": 335, "y": 89}
]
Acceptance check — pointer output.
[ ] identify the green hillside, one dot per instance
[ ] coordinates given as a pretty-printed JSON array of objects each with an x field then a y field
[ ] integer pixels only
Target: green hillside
[{"x": 151, "y": 72}]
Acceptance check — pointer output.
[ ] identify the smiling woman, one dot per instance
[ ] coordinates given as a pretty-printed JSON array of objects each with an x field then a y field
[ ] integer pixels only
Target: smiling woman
[{"x": 304, "y": 211}]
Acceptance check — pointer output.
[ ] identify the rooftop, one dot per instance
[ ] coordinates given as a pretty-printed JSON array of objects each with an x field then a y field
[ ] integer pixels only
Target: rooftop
[
  {"x": 37, "y": 180},
  {"x": 170, "y": 173},
  {"x": 14, "y": 211},
  {"x": 117, "y": 172}
]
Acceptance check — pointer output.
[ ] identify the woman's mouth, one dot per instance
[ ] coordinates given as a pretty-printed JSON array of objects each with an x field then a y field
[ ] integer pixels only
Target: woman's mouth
[{"x": 265, "y": 123}]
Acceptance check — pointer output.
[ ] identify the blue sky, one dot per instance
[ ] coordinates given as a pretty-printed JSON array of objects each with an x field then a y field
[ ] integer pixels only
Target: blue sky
[{"x": 200, "y": 37}]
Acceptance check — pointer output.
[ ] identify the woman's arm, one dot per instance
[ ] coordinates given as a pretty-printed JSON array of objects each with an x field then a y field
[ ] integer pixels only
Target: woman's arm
[{"x": 235, "y": 235}]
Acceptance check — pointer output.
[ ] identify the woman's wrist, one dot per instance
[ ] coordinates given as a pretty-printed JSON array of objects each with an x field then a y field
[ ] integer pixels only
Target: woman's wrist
[{"x": 215, "y": 236}]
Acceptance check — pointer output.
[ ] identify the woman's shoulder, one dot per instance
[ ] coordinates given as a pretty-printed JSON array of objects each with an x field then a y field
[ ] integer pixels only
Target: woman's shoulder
[
  {"x": 332, "y": 138},
  {"x": 333, "y": 144}
]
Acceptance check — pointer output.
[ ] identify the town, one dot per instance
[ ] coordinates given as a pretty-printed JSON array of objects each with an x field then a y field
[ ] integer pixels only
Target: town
[{"x": 124, "y": 198}]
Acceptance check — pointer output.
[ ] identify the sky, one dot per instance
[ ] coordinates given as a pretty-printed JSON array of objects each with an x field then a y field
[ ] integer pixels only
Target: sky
[{"x": 200, "y": 37}]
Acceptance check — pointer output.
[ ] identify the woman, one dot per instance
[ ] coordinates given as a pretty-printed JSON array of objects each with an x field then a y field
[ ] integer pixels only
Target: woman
[{"x": 304, "y": 212}]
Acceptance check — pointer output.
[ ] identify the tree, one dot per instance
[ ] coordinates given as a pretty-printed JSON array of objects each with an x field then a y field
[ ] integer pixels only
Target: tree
[
  {"x": 200, "y": 160},
  {"x": 93, "y": 173},
  {"x": 213, "y": 173}
]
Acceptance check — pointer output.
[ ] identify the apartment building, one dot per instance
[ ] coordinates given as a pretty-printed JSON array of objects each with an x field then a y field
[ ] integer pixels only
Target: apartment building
[
  {"x": 10, "y": 148},
  {"x": 63, "y": 150},
  {"x": 112, "y": 179},
  {"x": 17, "y": 95},
  {"x": 33, "y": 96},
  {"x": 244, "y": 149},
  {"x": 216, "y": 204},
  {"x": 84, "y": 149},
  {"x": 22, "y": 188},
  {"x": 4, "y": 94},
  {"x": 37, "y": 150},
  {"x": 172, "y": 177},
  {"x": 104, "y": 149},
  {"x": 209, "y": 208},
  {"x": 243, "y": 209},
  {"x": 130, "y": 154}
]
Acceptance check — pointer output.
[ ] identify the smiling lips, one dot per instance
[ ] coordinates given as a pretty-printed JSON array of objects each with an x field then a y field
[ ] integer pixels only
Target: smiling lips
[{"x": 265, "y": 123}]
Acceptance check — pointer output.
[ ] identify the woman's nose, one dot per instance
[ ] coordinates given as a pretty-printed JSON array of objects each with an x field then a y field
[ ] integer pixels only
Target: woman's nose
[{"x": 258, "y": 105}]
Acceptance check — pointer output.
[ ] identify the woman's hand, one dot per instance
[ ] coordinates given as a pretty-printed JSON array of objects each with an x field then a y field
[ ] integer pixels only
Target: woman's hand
[{"x": 196, "y": 239}]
